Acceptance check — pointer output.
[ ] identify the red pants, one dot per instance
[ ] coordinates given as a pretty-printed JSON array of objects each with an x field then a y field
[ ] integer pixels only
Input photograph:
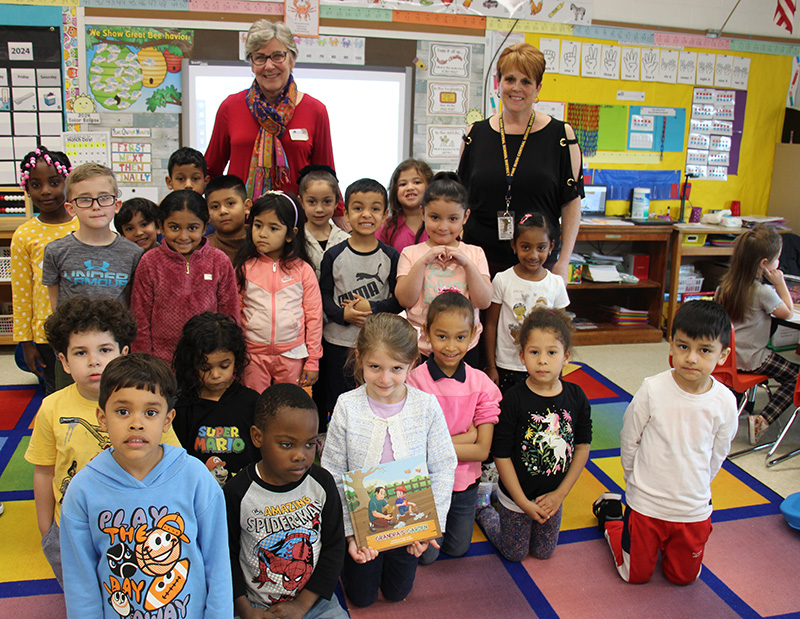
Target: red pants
[
  {"x": 636, "y": 540},
  {"x": 266, "y": 370}
]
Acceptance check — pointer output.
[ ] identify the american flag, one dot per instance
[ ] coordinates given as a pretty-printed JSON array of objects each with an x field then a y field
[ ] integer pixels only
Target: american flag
[{"x": 784, "y": 14}]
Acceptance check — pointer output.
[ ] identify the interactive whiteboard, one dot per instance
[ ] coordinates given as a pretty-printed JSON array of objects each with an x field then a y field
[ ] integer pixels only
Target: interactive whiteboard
[{"x": 369, "y": 110}]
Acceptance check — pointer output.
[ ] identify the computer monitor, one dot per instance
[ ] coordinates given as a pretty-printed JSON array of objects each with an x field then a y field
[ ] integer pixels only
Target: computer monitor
[{"x": 594, "y": 204}]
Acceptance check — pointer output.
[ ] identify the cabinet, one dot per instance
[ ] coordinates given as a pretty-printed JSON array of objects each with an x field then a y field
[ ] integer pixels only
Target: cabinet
[{"x": 646, "y": 295}]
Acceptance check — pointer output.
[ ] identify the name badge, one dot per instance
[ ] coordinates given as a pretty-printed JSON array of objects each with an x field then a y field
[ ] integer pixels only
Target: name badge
[
  {"x": 208, "y": 277},
  {"x": 298, "y": 135}
]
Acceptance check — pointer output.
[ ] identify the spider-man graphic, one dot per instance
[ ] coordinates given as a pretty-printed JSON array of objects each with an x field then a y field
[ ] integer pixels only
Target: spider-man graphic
[{"x": 289, "y": 554}]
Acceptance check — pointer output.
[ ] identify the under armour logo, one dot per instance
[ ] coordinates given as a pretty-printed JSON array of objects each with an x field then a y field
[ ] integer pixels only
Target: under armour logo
[{"x": 103, "y": 267}]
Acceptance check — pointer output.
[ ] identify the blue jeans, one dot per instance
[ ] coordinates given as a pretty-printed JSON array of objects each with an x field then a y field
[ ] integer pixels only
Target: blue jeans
[
  {"x": 392, "y": 573},
  {"x": 460, "y": 522},
  {"x": 323, "y": 609}
]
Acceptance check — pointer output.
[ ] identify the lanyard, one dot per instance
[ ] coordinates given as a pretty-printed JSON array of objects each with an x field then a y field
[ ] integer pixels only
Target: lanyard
[{"x": 510, "y": 173}]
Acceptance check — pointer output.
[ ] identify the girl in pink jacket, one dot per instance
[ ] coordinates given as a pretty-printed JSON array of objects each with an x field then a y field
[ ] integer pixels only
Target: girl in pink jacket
[{"x": 279, "y": 295}]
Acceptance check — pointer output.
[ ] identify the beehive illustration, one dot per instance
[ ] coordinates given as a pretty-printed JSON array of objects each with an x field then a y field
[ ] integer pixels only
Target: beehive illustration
[{"x": 154, "y": 67}]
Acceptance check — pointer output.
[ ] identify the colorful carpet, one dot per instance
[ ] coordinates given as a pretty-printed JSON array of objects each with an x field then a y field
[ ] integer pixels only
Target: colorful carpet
[{"x": 751, "y": 563}]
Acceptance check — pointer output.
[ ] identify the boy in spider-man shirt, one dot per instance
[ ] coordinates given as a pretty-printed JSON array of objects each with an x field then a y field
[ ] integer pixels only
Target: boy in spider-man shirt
[{"x": 285, "y": 525}]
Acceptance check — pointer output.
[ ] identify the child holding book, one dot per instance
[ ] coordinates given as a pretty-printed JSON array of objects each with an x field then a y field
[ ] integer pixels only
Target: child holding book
[{"x": 385, "y": 420}]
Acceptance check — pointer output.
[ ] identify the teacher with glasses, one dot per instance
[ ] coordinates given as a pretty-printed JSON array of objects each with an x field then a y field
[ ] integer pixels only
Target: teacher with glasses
[{"x": 270, "y": 131}]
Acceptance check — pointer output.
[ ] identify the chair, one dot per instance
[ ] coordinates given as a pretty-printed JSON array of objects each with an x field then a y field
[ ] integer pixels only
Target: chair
[
  {"x": 743, "y": 383},
  {"x": 789, "y": 423}
]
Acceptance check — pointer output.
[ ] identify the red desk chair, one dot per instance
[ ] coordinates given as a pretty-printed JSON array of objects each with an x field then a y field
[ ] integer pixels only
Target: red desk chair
[
  {"x": 742, "y": 383},
  {"x": 789, "y": 423}
]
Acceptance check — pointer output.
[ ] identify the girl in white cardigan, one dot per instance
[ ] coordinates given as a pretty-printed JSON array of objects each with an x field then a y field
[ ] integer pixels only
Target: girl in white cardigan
[{"x": 385, "y": 420}]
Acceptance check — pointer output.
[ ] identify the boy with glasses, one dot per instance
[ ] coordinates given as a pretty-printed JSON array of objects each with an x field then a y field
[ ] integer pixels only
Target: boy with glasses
[{"x": 93, "y": 261}]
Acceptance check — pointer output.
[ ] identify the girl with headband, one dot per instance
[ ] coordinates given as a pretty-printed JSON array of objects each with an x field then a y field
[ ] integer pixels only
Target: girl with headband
[{"x": 280, "y": 298}]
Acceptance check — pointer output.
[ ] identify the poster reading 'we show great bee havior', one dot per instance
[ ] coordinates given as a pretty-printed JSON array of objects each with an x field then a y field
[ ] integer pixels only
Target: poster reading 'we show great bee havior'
[{"x": 136, "y": 69}]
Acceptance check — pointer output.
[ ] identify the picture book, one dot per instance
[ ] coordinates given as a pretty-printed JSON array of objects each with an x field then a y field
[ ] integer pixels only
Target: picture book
[{"x": 391, "y": 504}]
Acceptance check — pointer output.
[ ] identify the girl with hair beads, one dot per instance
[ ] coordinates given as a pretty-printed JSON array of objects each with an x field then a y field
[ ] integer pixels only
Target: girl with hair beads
[
  {"x": 750, "y": 302},
  {"x": 182, "y": 277},
  {"x": 443, "y": 261},
  {"x": 385, "y": 420},
  {"x": 281, "y": 303},
  {"x": 408, "y": 184},
  {"x": 42, "y": 174},
  {"x": 517, "y": 291},
  {"x": 319, "y": 194},
  {"x": 540, "y": 445},
  {"x": 214, "y": 410},
  {"x": 471, "y": 405}
]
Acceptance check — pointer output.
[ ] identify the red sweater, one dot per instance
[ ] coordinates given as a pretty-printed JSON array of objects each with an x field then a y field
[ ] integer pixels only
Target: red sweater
[
  {"x": 168, "y": 290},
  {"x": 307, "y": 138}
]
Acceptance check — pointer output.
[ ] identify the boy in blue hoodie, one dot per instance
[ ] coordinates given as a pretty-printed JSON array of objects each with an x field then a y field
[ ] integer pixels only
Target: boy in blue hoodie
[{"x": 142, "y": 526}]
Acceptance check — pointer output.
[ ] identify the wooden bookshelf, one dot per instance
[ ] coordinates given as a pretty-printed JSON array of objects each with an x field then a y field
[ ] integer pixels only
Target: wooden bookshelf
[{"x": 647, "y": 294}]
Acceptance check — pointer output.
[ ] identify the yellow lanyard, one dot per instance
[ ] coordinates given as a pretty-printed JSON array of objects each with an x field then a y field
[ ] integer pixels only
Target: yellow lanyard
[{"x": 510, "y": 173}]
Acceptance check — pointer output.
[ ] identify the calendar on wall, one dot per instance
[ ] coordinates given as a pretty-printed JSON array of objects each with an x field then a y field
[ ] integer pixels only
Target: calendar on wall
[{"x": 87, "y": 147}]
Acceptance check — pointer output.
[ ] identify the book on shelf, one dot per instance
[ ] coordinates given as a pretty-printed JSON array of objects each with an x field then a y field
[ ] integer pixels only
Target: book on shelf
[
  {"x": 391, "y": 504},
  {"x": 624, "y": 316}
]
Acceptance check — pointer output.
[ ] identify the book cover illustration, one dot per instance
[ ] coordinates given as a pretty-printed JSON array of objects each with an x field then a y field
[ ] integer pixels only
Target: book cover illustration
[{"x": 391, "y": 504}]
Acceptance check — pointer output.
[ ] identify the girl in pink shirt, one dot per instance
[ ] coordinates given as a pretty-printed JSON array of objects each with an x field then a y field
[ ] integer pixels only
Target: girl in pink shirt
[
  {"x": 280, "y": 298},
  {"x": 443, "y": 261},
  {"x": 471, "y": 405},
  {"x": 404, "y": 225}
]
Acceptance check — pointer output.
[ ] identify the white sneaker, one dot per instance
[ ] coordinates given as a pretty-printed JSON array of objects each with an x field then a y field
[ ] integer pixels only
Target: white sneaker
[{"x": 2, "y": 509}]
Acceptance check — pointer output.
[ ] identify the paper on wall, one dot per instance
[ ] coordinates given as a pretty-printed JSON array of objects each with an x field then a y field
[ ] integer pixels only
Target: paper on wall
[
  {"x": 650, "y": 60},
  {"x": 705, "y": 69},
  {"x": 611, "y": 62},
  {"x": 668, "y": 67},
  {"x": 570, "y": 61},
  {"x": 687, "y": 68},
  {"x": 590, "y": 59},
  {"x": 551, "y": 49},
  {"x": 629, "y": 65}
]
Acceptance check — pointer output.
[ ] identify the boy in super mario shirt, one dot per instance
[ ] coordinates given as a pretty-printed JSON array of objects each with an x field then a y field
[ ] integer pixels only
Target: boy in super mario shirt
[{"x": 141, "y": 523}]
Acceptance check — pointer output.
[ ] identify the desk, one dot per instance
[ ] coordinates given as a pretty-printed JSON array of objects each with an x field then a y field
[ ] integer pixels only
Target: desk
[{"x": 647, "y": 294}]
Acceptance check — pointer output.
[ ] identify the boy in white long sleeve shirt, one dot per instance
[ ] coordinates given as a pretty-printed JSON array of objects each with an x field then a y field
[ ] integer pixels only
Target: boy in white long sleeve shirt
[{"x": 676, "y": 434}]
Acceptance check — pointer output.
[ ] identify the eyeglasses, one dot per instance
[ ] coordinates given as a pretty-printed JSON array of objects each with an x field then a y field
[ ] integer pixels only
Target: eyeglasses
[
  {"x": 87, "y": 202},
  {"x": 275, "y": 57}
]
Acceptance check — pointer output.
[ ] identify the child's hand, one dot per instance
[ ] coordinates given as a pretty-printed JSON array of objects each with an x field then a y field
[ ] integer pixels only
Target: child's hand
[
  {"x": 360, "y": 555},
  {"x": 550, "y": 503},
  {"x": 774, "y": 277},
  {"x": 33, "y": 359},
  {"x": 417, "y": 548},
  {"x": 535, "y": 512},
  {"x": 286, "y": 610},
  {"x": 467, "y": 437},
  {"x": 308, "y": 378},
  {"x": 493, "y": 375},
  {"x": 251, "y": 612},
  {"x": 361, "y": 304},
  {"x": 457, "y": 256},
  {"x": 353, "y": 315},
  {"x": 436, "y": 254}
]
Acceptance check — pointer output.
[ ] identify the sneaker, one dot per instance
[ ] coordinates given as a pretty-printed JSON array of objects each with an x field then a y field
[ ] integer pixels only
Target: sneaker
[
  {"x": 608, "y": 506},
  {"x": 2, "y": 509},
  {"x": 756, "y": 426}
]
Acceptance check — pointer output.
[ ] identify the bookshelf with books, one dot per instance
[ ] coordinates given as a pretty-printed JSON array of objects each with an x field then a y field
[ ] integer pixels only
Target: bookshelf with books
[{"x": 645, "y": 298}]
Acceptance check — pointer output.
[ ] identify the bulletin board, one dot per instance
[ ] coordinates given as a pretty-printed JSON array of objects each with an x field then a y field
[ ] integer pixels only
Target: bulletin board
[{"x": 768, "y": 77}]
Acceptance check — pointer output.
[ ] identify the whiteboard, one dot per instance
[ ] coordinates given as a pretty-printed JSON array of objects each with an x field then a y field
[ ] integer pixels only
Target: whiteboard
[{"x": 369, "y": 110}]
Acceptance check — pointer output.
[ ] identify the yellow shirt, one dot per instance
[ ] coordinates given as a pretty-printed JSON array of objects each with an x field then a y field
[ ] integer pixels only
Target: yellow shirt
[
  {"x": 66, "y": 435},
  {"x": 30, "y": 298}
]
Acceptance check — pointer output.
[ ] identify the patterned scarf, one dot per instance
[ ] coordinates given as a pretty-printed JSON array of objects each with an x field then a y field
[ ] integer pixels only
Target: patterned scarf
[{"x": 269, "y": 168}]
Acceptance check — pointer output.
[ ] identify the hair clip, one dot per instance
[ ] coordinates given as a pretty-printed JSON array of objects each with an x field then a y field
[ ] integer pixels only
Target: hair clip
[
  {"x": 525, "y": 218},
  {"x": 444, "y": 289}
]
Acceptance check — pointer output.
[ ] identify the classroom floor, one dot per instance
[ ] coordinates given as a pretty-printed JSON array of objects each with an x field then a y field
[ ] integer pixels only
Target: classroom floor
[{"x": 626, "y": 365}]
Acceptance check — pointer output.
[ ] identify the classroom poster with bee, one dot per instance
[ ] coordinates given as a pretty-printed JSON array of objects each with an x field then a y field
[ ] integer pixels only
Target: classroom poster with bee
[
  {"x": 391, "y": 504},
  {"x": 136, "y": 69}
]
